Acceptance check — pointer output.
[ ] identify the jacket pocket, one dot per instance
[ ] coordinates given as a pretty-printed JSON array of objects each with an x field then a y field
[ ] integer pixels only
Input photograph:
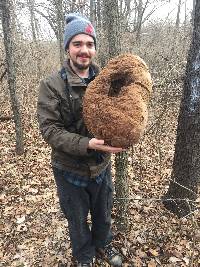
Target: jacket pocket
[{"x": 66, "y": 114}]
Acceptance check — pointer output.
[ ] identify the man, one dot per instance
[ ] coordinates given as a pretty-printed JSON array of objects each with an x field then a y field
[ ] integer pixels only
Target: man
[{"x": 81, "y": 163}]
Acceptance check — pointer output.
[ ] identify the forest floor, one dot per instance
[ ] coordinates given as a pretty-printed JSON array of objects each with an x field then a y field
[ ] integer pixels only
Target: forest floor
[{"x": 35, "y": 231}]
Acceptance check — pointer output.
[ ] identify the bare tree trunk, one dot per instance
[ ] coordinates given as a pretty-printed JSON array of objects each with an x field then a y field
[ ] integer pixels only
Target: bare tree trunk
[
  {"x": 120, "y": 8},
  {"x": 122, "y": 190},
  {"x": 58, "y": 4},
  {"x": 99, "y": 15},
  {"x": 124, "y": 13},
  {"x": 73, "y": 3},
  {"x": 186, "y": 165},
  {"x": 111, "y": 19},
  {"x": 100, "y": 33},
  {"x": 140, "y": 8},
  {"x": 6, "y": 6},
  {"x": 178, "y": 15},
  {"x": 139, "y": 20},
  {"x": 32, "y": 17},
  {"x": 60, "y": 23},
  {"x": 185, "y": 17},
  {"x": 193, "y": 11},
  {"x": 92, "y": 12},
  {"x": 112, "y": 25}
]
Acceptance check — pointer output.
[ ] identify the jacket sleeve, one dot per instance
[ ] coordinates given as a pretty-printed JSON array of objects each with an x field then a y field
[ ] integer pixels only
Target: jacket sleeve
[{"x": 52, "y": 126}]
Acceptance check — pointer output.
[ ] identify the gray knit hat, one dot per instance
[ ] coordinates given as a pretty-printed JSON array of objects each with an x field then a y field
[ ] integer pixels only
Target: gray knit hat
[{"x": 76, "y": 24}]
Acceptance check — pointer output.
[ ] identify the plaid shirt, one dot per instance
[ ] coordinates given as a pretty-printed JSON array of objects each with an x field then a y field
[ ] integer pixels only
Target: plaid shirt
[{"x": 78, "y": 180}]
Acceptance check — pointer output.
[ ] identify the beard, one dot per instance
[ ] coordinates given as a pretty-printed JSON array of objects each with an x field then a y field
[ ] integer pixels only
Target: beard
[{"x": 81, "y": 66}]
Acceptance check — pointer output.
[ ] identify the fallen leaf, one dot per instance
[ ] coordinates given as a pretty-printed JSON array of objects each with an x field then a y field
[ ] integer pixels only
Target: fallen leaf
[
  {"x": 153, "y": 252},
  {"x": 21, "y": 219},
  {"x": 174, "y": 259},
  {"x": 152, "y": 264}
]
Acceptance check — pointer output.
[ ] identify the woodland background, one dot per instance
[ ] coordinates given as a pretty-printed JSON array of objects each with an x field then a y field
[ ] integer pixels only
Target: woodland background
[{"x": 34, "y": 231}]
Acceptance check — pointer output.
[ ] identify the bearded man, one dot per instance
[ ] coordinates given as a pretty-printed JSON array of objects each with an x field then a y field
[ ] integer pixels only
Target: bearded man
[{"x": 81, "y": 163}]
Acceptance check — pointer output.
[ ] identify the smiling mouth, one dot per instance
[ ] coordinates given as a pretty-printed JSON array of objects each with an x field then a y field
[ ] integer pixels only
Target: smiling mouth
[{"x": 83, "y": 56}]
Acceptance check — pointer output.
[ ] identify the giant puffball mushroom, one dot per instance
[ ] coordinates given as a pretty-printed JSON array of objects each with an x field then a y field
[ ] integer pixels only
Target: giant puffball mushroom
[{"x": 115, "y": 102}]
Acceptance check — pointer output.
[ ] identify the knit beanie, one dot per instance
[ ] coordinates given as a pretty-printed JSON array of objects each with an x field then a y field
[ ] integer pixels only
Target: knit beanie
[{"x": 76, "y": 24}]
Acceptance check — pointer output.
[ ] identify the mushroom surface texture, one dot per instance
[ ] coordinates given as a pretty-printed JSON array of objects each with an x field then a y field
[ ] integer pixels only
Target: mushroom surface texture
[{"x": 115, "y": 102}]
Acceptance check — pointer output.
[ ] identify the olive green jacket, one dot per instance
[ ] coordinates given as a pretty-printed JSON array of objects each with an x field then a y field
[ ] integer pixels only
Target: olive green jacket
[{"x": 64, "y": 130}]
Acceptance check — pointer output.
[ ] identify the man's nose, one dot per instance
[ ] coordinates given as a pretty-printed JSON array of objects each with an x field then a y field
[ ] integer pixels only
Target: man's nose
[{"x": 84, "y": 48}]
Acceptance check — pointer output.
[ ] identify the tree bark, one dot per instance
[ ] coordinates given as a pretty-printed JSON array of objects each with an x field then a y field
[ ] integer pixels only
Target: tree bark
[
  {"x": 186, "y": 164},
  {"x": 140, "y": 13},
  {"x": 122, "y": 191},
  {"x": 6, "y": 6},
  {"x": 124, "y": 13},
  {"x": 32, "y": 17},
  {"x": 112, "y": 26},
  {"x": 58, "y": 4},
  {"x": 111, "y": 20},
  {"x": 178, "y": 15},
  {"x": 73, "y": 4},
  {"x": 92, "y": 12},
  {"x": 193, "y": 11},
  {"x": 99, "y": 15}
]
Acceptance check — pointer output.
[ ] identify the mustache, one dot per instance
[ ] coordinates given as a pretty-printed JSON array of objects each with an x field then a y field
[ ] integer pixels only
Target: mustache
[{"x": 83, "y": 55}]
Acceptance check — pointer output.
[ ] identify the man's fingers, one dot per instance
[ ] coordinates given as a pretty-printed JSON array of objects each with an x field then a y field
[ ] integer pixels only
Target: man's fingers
[
  {"x": 94, "y": 143},
  {"x": 99, "y": 142},
  {"x": 116, "y": 150},
  {"x": 110, "y": 149}
]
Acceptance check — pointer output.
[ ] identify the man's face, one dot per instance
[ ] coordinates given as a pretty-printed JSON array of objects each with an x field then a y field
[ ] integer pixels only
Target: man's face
[{"x": 81, "y": 51}]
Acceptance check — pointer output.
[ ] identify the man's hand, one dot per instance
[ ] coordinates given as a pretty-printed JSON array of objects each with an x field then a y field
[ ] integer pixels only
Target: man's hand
[{"x": 99, "y": 145}]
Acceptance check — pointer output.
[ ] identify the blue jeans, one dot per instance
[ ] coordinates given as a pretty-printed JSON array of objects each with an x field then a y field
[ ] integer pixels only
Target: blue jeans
[{"x": 76, "y": 202}]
